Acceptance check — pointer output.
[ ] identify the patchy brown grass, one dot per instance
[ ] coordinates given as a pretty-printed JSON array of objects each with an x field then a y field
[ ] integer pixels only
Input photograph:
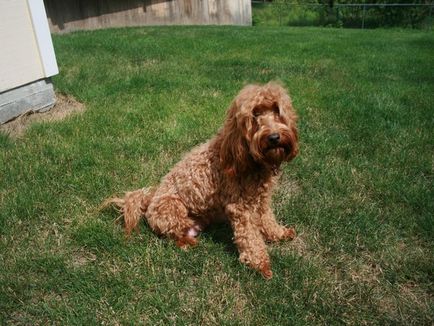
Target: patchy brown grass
[
  {"x": 287, "y": 188},
  {"x": 65, "y": 106},
  {"x": 225, "y": 299},
  {"x": 81, "y": 258}
]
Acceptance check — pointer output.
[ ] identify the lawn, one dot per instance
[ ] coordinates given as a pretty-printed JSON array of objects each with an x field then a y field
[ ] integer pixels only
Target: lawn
[{"x": 360, "y": 193}]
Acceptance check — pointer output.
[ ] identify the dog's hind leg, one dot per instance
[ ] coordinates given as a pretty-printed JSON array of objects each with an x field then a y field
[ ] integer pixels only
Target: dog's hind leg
[
  {"x": 132, "y": 206},
  {"x": 167, "y": 215}
]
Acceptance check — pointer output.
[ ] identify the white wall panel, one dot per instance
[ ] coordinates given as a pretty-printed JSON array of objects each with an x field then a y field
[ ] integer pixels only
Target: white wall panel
[{"x": 19, "y": 55}]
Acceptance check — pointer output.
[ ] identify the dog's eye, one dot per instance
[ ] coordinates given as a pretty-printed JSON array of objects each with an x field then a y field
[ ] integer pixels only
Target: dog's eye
[
  {"x": 256, "y": 114},
  {"x": 276, "y": 109}
]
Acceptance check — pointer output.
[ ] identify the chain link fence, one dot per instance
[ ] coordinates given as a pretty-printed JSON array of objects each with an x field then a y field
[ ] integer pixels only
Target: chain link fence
[{"x": 355, "y": 15}]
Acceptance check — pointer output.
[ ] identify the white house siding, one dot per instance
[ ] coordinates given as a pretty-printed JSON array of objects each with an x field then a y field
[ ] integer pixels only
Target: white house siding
[
  {"x": 20, "y": 62},
  {"x": 26, "y": 58}
]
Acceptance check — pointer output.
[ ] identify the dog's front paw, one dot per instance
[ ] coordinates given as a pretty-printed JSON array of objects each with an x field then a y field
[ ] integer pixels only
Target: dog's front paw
[
  {"x": 265, "y": 270},
  {"x": 289, "y": 233}
]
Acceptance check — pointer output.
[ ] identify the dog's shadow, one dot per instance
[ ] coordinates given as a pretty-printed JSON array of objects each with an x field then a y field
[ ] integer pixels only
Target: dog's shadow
[{"x": 221, "y": 233}]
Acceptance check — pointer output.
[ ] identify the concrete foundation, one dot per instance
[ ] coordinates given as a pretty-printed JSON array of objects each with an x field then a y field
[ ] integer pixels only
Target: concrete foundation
[{"x": 36, "y": 96}]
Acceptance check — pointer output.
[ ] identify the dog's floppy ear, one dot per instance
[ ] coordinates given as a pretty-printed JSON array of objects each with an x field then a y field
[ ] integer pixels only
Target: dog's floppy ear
[
  {"x": 283, "y": 101},
  {"x": 287, "y": 114},
  {"x": 234, "y": 149}
]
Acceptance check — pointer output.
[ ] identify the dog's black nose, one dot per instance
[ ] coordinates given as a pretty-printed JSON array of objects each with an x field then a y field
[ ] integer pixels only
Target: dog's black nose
[{"x": 274, "y": 138}]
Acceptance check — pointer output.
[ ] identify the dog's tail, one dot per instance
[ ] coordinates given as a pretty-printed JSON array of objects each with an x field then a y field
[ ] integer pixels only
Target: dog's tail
[{"x": 132, "y": 206}]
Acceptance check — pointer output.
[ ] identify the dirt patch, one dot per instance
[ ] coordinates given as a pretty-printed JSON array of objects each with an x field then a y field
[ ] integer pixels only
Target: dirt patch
[
  {"x": 64, "y": 107},
  {"x": 82, "y": 258}
]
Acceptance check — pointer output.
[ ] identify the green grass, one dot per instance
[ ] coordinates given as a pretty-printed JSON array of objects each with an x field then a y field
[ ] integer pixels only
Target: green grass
[{"x": 360, "y": 193}]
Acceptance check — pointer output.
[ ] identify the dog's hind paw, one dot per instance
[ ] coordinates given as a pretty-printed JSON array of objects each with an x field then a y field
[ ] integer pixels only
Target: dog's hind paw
[
  {"x": 289, "y": 233},
  {"x": 186, "y": 241}
]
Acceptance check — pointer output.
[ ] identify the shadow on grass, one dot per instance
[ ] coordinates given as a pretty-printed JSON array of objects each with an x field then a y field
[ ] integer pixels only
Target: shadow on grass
[
  {"x": 218, "y": 233},
  {"x": 221, "y": 233}
]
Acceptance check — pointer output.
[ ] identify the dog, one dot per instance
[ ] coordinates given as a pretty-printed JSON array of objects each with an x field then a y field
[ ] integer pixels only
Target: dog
[{"x": 229, "y": 178}]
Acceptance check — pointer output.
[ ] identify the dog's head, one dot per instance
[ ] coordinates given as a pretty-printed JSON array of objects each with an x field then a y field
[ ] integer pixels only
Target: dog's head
[{"x": 260, "y": 126}]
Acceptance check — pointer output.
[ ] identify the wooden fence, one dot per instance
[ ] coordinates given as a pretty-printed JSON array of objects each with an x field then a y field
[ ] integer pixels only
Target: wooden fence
[{"x": 70, "y": 15}]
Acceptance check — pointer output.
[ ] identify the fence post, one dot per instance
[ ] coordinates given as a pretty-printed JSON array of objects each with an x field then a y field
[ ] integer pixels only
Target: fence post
[
  {"x": 337, "y": 15},
  {"x": 430, "y": 16},
  {"x": 363, "y": 17},
  {"x": 280, "y": 14}
]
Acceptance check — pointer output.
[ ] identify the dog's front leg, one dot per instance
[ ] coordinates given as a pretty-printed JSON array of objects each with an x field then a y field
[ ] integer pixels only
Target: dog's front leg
[
  {"x": 249, "y": 241},
  {"x": 271, "y": 230}
]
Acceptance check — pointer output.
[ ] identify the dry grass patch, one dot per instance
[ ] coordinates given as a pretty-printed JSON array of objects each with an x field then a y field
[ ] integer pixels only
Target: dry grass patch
[
  {"x": 301, "y": 245},
  {"x": 224, "y": 299},
  {"x": 82, "y": 257},
  {"x": 287, "y": 189},
  {"x": 65, "y": 106}
]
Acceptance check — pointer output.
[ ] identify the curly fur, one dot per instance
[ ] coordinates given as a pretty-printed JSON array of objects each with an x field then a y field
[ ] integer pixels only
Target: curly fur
[{"x": 230, "y": 177}]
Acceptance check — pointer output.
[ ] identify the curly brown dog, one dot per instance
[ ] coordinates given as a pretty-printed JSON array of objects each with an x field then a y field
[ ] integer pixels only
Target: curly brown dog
[{"x": 231, "y": 177}]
